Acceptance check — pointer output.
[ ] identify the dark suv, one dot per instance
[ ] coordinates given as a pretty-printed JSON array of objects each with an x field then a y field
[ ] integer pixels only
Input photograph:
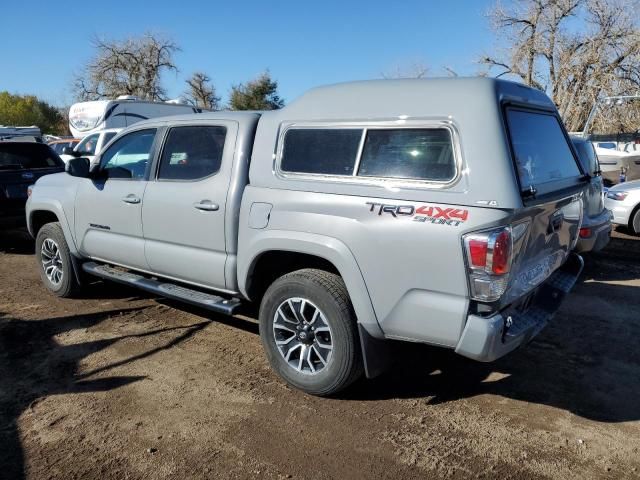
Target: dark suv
[{"x": 21, "y": 164}]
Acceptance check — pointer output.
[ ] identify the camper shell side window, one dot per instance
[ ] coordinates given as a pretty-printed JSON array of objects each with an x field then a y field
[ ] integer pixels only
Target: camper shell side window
[{"x": 419, "y": 154}]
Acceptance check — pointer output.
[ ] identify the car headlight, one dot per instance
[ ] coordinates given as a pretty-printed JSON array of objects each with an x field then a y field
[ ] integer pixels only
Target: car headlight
[{"x": 619, "y": 196}]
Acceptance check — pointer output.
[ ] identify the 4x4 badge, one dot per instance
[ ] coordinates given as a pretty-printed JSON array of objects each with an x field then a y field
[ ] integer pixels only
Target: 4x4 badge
[{"x": 423, "y": 213}]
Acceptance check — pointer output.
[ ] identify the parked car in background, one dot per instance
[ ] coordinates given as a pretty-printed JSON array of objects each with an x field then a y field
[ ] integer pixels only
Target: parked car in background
[
  {"x": 90, "y": 145},
  {"x": 21, "y": 164},
  {"x": 358, "y": 213},
  {"x": 618, "y": 151},
  {"x": 624, "y": 201},
  {"x": 596, "y": 221},
  {"x": 60, "y": 144}
]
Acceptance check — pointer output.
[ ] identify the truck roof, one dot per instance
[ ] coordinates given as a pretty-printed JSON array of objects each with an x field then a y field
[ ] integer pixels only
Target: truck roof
[
  {"x": 187, "y": 117},
  {"x": 411, "y": 97},
  {"x": 385, "y": 99}
]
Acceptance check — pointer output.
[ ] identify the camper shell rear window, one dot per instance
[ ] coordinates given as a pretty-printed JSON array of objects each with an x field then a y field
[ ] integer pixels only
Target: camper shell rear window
[{"x": 543, "y": 158}]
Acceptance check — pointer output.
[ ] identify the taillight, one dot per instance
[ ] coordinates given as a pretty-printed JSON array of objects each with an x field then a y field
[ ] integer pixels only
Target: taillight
[
  {"x": 478, "y": 252},
  {"x": 585, "y": 232},
  {"x": 489, "y": 256},
  {"x": 501, "y": 261}
]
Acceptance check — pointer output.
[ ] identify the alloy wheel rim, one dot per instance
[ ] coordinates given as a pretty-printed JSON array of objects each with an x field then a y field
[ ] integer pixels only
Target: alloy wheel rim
[
  {"x": 303, "y": 336},
  {"x": 51, "y": 261}
]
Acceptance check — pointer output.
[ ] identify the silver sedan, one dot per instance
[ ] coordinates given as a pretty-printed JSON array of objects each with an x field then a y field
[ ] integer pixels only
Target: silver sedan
[{"x": 624, "y": 201}]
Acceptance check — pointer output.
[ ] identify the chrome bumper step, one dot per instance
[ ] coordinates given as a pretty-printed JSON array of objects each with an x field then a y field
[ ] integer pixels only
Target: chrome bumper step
[{"x": 165, "y": 289}]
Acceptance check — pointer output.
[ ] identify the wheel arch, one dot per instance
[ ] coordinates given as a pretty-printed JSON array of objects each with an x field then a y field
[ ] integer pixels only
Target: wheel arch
[
  {"x": 275, "y": 253},
  {"x": 40, "y": 213},
  {"x": 39, "y": 219}
]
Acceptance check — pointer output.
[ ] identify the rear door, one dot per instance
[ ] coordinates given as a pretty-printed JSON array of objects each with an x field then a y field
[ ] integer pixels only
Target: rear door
[
  {"x": 109, "y": 207},
  {"x": 184, "y": 207},
  {"x": 552, "y": 186}
]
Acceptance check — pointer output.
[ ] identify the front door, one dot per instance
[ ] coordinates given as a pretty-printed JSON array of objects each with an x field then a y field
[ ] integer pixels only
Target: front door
[
  {"x": 109, "y": 206},
  {"x": 184, "y": 208}
]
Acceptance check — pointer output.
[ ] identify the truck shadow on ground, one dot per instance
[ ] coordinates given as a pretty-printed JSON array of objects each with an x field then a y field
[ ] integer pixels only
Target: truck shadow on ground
[
  {"x": 33, "y": 366},
  {"x": 586, "y": 362}
]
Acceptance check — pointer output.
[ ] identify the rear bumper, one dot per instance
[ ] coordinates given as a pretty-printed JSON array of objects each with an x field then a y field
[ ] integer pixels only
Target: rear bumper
[
  {"x": 599, "y": 238},
  {"x": 488, "y": 338}
]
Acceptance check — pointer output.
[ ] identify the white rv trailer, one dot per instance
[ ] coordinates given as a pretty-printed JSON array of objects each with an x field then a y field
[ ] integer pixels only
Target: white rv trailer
[
  {"x": 617, "y": 152},
  {"x": 86, "y": 118}
]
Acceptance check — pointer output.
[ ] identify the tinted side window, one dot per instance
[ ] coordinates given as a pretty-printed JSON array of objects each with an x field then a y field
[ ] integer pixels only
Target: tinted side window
[
  {"x": 191, "y": 153},
  {"x": 541, "y": 151},
  {"x": 421, "y": 154},
  {"x": 328, "y": 151},
  {"x": 129, "y": 156}
]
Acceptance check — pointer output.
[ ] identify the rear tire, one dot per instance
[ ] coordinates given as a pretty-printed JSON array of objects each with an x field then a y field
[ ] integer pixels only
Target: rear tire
[
  {"x": 54, "y": 261},
  {"x": 309, "y": 332}
]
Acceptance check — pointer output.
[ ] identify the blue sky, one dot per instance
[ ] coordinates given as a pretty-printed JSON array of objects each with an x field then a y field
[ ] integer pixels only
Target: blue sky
[{"x": 303, "y": 43}]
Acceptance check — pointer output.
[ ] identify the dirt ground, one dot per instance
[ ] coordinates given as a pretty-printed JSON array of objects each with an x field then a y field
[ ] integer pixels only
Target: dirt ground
[{"x": 122, "y": 385}]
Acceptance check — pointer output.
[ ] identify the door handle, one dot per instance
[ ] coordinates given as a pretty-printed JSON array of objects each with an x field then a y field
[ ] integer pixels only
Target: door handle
[
  {"x": 131, "y": 198},
  {"x": 207, "y": 206}
]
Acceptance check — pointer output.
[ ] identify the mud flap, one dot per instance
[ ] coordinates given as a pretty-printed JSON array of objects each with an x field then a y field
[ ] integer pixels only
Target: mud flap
[
  {"x": 376, "y": 354},
  {"x": 77, "y": 270}
]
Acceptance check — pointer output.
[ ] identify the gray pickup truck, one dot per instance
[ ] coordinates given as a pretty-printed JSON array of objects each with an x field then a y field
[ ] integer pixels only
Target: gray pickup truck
[{"x": 440, "y": 211}]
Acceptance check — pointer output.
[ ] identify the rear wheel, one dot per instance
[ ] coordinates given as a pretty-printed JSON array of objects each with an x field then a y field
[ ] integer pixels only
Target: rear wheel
[
  {"x": 54, "y": 261},
  {"x": 308, "y": 329}
]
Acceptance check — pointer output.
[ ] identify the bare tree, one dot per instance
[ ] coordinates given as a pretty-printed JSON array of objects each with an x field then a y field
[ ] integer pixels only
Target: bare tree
[
  {"x": 201, "y": 92},
  {"x": 575, "y": 50},
  {"x": 132, "y": 66},
  {"x": 414, "y": 70}
]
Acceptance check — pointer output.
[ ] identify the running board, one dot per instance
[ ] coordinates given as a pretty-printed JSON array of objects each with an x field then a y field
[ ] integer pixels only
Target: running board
[{"x": 169, "y": 290}]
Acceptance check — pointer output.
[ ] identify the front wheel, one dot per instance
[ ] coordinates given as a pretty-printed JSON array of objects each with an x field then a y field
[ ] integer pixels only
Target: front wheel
[
  {"x": 634, "y": 223},
  {"x": 54, "y": 261},
  {"x": 309, "y": 332}
]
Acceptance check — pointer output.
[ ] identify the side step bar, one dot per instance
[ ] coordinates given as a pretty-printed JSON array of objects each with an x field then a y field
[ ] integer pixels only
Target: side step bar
[{"x": 169, "y": 290}]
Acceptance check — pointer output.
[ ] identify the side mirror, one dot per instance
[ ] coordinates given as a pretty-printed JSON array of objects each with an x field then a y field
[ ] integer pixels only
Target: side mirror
[
  {"x": 68, "y": 151},
  {"x": 78, "y": 167}
]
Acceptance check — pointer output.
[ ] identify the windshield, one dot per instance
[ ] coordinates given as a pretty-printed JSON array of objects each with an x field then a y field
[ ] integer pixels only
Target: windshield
[
  {"x": 543, "y": 157},
  {"x": 27, "y": 156}
]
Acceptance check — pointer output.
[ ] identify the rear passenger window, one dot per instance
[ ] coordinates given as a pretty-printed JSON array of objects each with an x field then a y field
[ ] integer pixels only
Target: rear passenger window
[
  {"x": 192, "y": 153},
  {"x": 321, "y": 151},
  {"x": 420, "y": 154}
]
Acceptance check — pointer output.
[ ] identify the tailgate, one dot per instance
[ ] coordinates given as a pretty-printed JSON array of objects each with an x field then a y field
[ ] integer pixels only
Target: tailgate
[{"x": 543, "y": 237}]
